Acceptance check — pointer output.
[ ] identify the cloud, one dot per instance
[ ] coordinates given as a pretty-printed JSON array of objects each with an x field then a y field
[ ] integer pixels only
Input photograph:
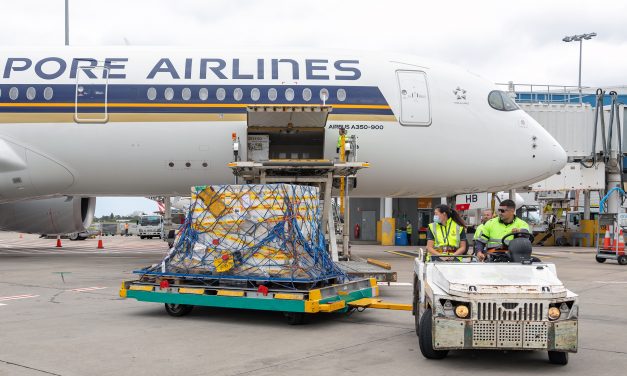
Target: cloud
[{"x": 502, "y": 41}]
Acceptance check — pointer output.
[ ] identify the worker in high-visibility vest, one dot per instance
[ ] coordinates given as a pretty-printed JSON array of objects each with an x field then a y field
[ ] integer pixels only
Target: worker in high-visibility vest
[
  {"x": 446, "y": 236},
  {"x": 494, "y": 230},
  {"x": 339, "y": 139},
  {"x": 486, "y": 215},
  {"x": 409, "y": 231}
]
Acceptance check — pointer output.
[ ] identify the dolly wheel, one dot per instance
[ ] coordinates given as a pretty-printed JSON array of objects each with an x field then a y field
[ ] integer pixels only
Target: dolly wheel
[
  {"x": 178, "y": 310},
  {"x": 294, "y": 318},
  {"x": 600, "y": 260},
  {"x": 425, "y": 339},
  {"x": 558, "y": 357},
  {"x": 622, "y": 260}
]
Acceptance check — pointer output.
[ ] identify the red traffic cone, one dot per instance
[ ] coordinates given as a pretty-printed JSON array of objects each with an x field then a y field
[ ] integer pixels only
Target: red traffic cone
[
  {"x": 607, "y": 242},
  {"x": 100, "y": 246},
  {"x": 58, "y": 242}
]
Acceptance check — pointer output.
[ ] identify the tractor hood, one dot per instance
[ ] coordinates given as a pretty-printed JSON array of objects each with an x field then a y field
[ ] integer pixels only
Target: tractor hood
[{"x": 505, "y": 279}]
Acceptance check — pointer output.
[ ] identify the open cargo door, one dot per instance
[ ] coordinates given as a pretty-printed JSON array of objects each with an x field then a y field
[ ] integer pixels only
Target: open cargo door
[{"x": 286, "y": 132}]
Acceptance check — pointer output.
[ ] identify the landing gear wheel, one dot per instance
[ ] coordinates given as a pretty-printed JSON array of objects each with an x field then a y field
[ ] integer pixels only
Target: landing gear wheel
[
  {"x": 558, "y": 357},
  {"x": 178, "y": 310},
  {"x": 295, "y": 318},
  {"x": 600, "y": 260},
  {"x": 142, "y": 237},
  {"x": 425, "y": 338},
  {"x": 622, "y": 260},
  {"x": 74, "y": 236}
]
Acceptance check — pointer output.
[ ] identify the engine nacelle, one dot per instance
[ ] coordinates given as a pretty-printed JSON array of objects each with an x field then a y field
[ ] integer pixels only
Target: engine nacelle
[{"x": 61, "y": 215}]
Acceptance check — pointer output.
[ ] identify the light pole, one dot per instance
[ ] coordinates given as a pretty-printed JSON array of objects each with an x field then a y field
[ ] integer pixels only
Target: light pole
[
  {"x": 67, "y": 22},
  {"x": 579, "y": 38}
]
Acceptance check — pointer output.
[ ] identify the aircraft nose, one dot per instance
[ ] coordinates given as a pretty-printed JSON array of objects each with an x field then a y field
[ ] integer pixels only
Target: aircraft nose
[{"x": 559, "y": 156}]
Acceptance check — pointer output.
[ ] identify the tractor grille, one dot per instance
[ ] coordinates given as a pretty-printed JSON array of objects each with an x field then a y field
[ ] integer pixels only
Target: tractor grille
[
  {"x": 503, "y": 334},
  {"x": 510, "y": 311}
]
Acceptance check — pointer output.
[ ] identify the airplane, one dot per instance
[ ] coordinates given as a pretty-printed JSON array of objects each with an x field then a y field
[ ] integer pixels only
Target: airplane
[{"x": 80, "y": 122}]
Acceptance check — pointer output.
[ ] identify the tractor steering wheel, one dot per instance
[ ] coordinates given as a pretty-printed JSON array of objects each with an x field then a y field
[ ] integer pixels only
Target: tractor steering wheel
[{"x": 519, "y": 234}]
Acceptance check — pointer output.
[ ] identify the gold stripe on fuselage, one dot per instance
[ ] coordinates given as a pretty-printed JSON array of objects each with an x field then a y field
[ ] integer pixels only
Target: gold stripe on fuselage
[{"x": 54, "y": 117}]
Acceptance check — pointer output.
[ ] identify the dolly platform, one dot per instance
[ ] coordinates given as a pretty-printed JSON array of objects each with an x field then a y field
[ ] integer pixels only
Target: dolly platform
[{"x": 180, "y": 297}]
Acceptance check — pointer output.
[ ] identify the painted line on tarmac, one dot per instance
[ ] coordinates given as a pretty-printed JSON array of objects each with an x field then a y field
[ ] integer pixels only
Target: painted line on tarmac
[
  {"x": 16, "y": 297},
  {"x": 394, "y": 283},
  {"x": 612, "y": 282},
  {"x": 84, "y": 289}
]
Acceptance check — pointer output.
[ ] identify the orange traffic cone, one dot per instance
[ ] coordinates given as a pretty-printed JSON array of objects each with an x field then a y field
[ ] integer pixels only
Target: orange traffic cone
[
  {"x": 100, "y": 246},
  {"x": 58, "y": 242},
  {"x": 607, "y": 241}
]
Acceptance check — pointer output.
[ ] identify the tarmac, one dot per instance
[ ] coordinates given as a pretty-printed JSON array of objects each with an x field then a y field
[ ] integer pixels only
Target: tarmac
[{"x": 60, "y": 314}]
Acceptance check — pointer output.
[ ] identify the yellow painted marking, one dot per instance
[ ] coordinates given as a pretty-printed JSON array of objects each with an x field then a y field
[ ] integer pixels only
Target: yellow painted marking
[
  {"x": 378, "y": 304},
  {"x": 141, "y": 288},
  {"x": 401, "y": 254},
  {"x": 334, "y": 306},
  {"x": 373, "y": 282},
  {"x": 188, "y": 290},
  {"x": 230, "y": 293},
  {"x": 289, "y": 296}
]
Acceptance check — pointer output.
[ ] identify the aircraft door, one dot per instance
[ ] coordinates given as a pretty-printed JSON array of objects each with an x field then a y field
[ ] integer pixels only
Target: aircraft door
[
  {"x": 414, "y": 92},
  {"x": 91, "y": 95}
]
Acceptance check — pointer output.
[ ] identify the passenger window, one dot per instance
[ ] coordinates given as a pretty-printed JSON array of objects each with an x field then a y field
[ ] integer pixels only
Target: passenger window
[
  {"x": 14, "y": 93},
  {"x": 238, "y": 94},
  {"x": 169, "y": 94},
  {"x": 255, "y": 94},
  {"x": 221, "y": 94},
  {"x": 186, "y": 94},
  {"x": 48, "y": 93},
  {"x": 31, "y": 93},
  {"x": 151, "y": 94},
  {"x": 203, "y": 94},
  {"x": 307, "y": 94}
]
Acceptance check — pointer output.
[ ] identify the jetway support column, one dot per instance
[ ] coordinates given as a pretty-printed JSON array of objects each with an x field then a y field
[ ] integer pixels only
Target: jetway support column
[
  {"x": 388, "y": 225},
  {"x": 586, "y": 204},
  {"x": 614, "y": 201}
]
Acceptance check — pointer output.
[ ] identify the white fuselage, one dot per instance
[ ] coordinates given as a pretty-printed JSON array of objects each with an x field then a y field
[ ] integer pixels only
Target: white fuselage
[{"x": 458, "y": 143}]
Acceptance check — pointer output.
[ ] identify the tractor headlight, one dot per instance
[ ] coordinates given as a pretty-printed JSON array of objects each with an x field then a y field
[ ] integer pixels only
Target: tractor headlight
[
  {"x": 462, "y": 311},
  {"x": 554, "y": 313}
]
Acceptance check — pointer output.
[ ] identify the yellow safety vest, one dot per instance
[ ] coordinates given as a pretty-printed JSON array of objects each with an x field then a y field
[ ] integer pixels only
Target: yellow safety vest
[
  {"x": 446, "y": 237},
  {"x": 409, "y": 230},
  {"x": 494, "y": 230}
]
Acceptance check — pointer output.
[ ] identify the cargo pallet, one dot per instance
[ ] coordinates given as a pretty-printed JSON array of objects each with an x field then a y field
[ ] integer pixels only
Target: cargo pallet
[{"x": 181, "y": 295}]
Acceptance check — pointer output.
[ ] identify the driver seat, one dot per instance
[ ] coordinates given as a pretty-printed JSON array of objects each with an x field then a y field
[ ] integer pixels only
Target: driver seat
[{"x": 520, "y": 249}]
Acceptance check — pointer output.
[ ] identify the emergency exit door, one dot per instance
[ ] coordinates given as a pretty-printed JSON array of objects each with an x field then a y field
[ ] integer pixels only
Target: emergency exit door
[
  {"x": 414, "y": 92},
  {"x": 91, "y": 95}
]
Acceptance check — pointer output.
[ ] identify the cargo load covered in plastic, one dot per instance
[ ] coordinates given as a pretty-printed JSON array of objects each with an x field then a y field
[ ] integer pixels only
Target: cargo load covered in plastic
[{"x": 253, "y": 232}]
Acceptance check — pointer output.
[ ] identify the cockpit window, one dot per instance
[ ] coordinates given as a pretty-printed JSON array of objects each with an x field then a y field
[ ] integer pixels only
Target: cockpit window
[{"x": 500, "y": 100}]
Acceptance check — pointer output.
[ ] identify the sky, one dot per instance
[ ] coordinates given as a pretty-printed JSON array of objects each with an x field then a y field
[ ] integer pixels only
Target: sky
[{"x": 519, "y": 41}]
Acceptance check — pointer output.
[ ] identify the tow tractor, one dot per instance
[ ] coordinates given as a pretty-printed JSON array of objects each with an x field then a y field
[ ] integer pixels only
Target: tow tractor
[{"x": 515, "y": 302}]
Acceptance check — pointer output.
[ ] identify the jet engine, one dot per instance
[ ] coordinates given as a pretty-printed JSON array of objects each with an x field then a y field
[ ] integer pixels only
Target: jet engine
[{"x": 60, "y": 215}]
